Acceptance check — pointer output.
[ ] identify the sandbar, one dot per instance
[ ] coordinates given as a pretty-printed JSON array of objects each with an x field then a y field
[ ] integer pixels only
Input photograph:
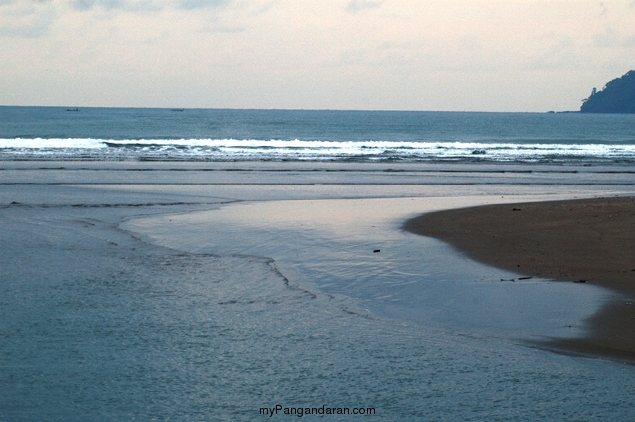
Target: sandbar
[{"x": 581, "y": 241}]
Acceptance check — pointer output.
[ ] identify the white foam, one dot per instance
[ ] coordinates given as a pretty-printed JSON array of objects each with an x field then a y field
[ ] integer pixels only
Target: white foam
[
  {"x": 295, "y": 149},
  {"x": 41, "y": 143}
]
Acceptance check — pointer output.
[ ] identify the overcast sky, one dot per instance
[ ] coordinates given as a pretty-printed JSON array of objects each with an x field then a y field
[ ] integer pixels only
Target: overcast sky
[{"x": 475, "y": 55}]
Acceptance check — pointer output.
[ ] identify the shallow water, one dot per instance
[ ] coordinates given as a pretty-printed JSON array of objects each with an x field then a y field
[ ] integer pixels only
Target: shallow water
[
  {"x": 226, "y": 309},
  {"x": 356, "y": 248}
]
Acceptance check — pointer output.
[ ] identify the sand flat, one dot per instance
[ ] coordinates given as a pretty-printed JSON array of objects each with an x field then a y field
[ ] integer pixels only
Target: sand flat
[{"x": 587, "y": 240}]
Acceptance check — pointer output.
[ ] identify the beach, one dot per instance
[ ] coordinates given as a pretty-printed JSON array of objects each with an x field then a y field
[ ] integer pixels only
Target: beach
[
  {"x": 581, "y": 241},
  {"x": 184, "y": 290}
]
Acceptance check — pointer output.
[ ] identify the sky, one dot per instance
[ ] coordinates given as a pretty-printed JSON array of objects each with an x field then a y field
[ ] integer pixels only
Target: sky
[{"x": 455, "y": 55}]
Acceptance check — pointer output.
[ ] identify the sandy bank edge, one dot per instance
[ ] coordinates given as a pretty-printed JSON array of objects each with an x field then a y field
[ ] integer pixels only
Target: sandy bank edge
[{"x": 590, "y": 240}]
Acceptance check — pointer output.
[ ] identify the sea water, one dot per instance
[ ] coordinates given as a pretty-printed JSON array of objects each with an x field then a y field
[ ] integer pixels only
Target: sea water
[
  {"x": 213, "y": 135},
  {"x": 136, "y": 290}
]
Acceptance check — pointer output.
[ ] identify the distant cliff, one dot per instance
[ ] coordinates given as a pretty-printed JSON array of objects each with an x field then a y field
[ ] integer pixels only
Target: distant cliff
[{"x": 617, "y": 96}]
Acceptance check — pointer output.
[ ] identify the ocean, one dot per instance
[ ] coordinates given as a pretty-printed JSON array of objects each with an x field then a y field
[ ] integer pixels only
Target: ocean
[
  {"x": 161, "y": 264},
  {"x": 57, "y": 133}
]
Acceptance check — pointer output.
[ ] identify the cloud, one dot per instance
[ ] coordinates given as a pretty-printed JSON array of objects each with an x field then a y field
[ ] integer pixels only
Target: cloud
[
  {"x": 561, "y": 54},
  {"x": 127, "y": 5},
  {"x": 146, "y": 5},
  {"x": 607, "y": 39},
  {"x": 26, "y": 19},
  {"x": 611, "y": 38},
  {"x": 201, "y": 4},
  {"x": 90, "y": 4},
  {"x": 355, "y": 6},
  {"x": 36, "y": 18}
]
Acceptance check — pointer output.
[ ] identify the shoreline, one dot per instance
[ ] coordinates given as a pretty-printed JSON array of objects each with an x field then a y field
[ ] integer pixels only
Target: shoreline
[{"x": 583, "y": 241}]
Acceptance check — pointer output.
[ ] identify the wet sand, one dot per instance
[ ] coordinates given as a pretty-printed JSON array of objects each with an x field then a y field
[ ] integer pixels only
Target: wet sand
[{"x": 581, "y": 241}]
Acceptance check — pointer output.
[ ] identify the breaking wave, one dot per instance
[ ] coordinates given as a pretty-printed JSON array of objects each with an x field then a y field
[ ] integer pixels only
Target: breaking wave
[{"x": 303, "y": 150}]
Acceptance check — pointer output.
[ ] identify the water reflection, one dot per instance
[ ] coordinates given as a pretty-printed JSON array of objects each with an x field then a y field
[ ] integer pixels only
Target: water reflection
[{"x": 356, "y": 248}]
